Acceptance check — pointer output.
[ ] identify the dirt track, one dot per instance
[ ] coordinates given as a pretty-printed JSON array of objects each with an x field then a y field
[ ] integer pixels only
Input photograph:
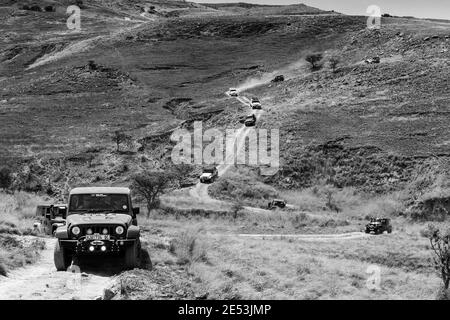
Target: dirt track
[
  {"x": 310, "y": 237},
  {"x": 41, "y": 281}
]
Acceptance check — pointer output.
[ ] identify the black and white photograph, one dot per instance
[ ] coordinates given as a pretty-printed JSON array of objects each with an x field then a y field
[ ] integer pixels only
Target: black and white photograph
[{"x": 242, "y": 152}]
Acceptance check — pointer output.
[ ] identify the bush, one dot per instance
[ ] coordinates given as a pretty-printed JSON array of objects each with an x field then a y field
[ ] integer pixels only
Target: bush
[
  {"x": 5, "y": 178},
  {"x": 333, "y": 63},
  {"x": 314, "y": 59},
  {"x": 187, "y": 248},
  {"x": 36, "y": 8},
  {"x": 440, "y": 244},
  {"x": 49, "y": 9},
  {"x": 242, "y": 186}
]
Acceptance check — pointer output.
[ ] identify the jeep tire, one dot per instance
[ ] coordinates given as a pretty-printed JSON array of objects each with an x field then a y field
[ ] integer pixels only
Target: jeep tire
[
  {"x": 61, "y": 257},
  {"x": 132, "y": 255}
]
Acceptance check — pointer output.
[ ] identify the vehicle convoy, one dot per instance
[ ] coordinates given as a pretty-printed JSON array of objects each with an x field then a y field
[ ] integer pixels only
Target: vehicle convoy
[
  {"x": 255, "y": 103},
  {"x": 209, "y": 175},
  {"x": 250, "y": 121},
  {"x": 277, "y": 203},
  {"x": 100, "y": 221},
  {"x": 233, "y": 92},
  {"x": 51, "y": 217},
  {"x": 379, "y": 226}
]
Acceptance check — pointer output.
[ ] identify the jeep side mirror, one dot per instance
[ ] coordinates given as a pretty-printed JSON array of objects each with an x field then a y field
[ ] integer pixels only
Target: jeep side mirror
[
  {"x": 136, "y": 210},
  {"x": 63, "y": 211}
]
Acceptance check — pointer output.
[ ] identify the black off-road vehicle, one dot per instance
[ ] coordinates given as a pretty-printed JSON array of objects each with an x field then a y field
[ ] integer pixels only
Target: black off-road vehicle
[
  {"x": 379, "y": 226},
  {"x": 209, "y": 175},
  {"x": 99, "y": 221},
  {"x": 277, "y": 203},
  {"x": 51, "y": 217},
  {"x": 278, "y": 78},
  {"x": 250, "y": 121}
]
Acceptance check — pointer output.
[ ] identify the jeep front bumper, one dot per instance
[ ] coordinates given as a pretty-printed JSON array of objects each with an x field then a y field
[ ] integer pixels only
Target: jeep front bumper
[{"x": 83, "y": 246}]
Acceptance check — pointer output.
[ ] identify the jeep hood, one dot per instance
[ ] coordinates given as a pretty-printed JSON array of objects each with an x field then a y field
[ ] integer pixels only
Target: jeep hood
[
  {"x": 206, "y": 175},
  {"x": 99, "y": 218}
]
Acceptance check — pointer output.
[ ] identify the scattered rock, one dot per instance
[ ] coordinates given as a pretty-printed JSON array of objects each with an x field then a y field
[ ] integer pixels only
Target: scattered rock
[{"x": 202, "y": 296}]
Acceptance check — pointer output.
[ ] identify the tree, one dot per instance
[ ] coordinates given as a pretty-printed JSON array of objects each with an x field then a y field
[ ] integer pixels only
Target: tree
[
  {"x": 5, "y": 178},
  {"x": 440, "y": 244},
  {"x": 314, "y": 59},
  {"x": 150, "y": 185},
  {"x": 333, "y": 62},
  {"x": 119, "y": 138}
]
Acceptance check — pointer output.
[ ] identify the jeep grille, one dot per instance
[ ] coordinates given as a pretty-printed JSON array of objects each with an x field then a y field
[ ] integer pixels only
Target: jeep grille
[{"x": 99, "y": 229}]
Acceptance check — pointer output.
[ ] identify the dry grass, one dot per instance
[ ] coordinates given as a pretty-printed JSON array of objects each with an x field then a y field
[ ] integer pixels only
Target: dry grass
[
  {"x": 255, "y": 268},
  {"x": 188, "y": 247},
  {"x": 243, "y": 268},
  {"x": 17, "y": 212}
]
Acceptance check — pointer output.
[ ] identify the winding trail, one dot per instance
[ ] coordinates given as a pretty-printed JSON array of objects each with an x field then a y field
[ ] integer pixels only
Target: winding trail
[{"x": 200, "y": 193}]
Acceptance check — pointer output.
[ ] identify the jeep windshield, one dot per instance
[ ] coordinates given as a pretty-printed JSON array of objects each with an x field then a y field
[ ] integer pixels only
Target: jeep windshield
[
  {"x": 208, "y": 170},
  {"x": 99, "y": 203}
]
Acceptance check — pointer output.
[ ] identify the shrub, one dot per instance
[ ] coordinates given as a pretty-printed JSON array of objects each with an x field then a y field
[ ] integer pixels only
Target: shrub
[
  {"x": 187, "y": 248},
  {"x": 5, "y": 178},
  {"x": 440, "y": 244},
  {"x": 36, "y": 8},
  {"x": 314, "y": 59},
  {"x": 49, "y": 9},
  {"x": 243, "y": 186},
  {"x": 333, "y": 63}
]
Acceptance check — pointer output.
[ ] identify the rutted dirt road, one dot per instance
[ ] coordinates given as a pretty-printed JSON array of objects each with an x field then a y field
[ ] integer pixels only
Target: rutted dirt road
[{"x": 41, "y": 281}]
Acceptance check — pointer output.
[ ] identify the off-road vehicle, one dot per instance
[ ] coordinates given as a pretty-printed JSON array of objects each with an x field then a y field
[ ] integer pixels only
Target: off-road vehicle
[
  {"x": 233, "y": 92},
  {"x": 373, "y": 60},
  {"x": 379, "y": 226},
  {"x": 209, "y": 175},
  {"x": 277, "y": 203},
  {"x": 278, "y": 78},
  {"x": 255, "y": 103},
  {"x": 51, "y": 217},
  {"x": 100, "y": 221},
  {"x": 250, "y": 121}
]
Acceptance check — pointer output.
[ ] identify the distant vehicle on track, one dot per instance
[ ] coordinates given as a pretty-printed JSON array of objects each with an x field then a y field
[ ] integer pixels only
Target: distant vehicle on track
[
  {"x": 277, "y": 203},
  {"x": 209, "y": 175},
  {"x": 379, "y": 226},
  {"x": 278, "y": 78},
  {"x": 51, "y": 217},
  {"x": 255, "y": 103},
  {"x": 373, "y": 60},
  {"x": 233, "y": 92},
  {"x": 250, "y": 121}
]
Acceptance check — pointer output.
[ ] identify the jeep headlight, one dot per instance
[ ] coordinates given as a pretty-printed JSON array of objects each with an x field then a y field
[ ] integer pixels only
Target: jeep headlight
[
  {"x": 76, "y": 231},
  {"x": 120, "y": 230}
]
